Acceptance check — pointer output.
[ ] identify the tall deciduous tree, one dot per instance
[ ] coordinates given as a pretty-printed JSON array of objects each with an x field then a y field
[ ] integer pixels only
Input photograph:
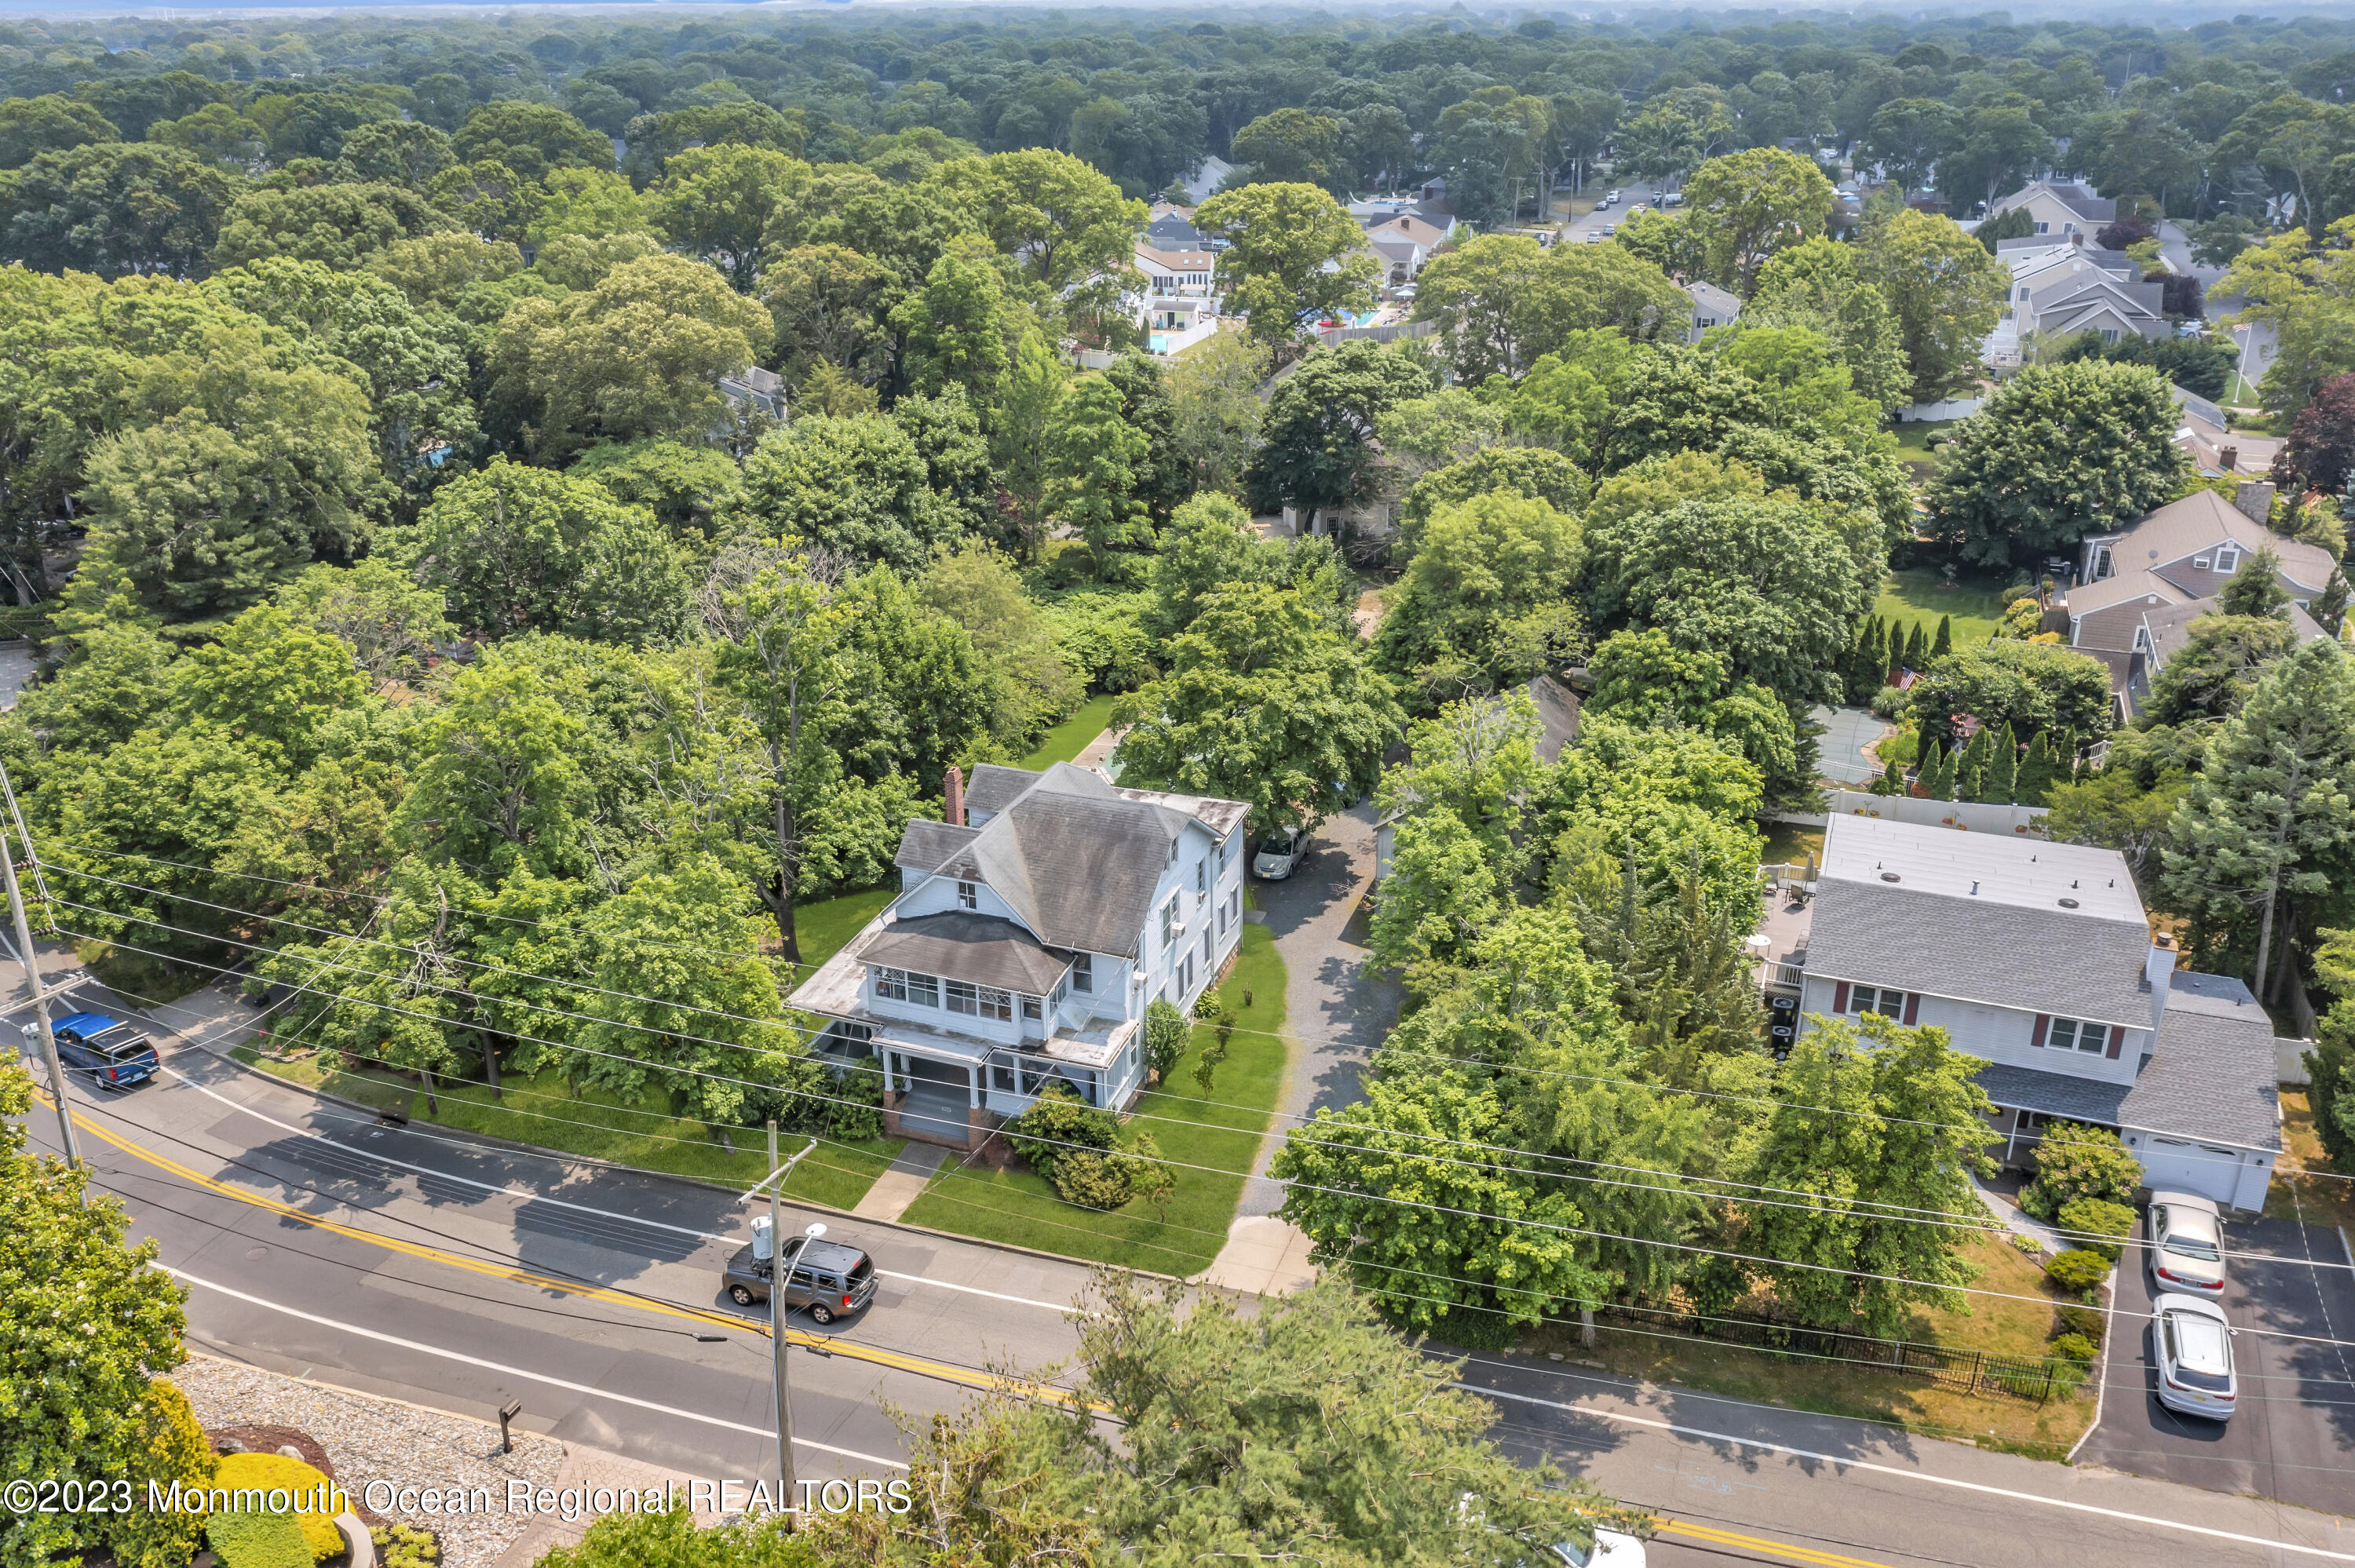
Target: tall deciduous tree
[
  {"x": 1946, "y": 291},
  {"x": 2059, "y": 452},
  {"x": 115, "y": 207},
  {"x": 1752, "y": 204},
  {"x": 715, "y": 202},
  {"x": 1293, "y": 254},
  {"x": 1263, "y": 703},
  {"x": 1093, "y": 456},
  {"x": 1319, "y": 443}
]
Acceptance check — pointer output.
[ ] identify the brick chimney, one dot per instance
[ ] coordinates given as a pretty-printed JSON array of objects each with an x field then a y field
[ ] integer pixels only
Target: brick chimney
[
  {"x": 2255, "y": 500},
  {"x": 952, "y": 798},
  {"x": 2228, "y": 459}
]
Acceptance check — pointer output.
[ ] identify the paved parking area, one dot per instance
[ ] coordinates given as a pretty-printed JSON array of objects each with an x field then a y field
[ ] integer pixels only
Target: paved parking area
[{"x": 2292, "y": 1437}]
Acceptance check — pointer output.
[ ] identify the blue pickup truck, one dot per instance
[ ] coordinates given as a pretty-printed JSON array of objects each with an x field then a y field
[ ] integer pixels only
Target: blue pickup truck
[{"x": 113, "y": 1053}]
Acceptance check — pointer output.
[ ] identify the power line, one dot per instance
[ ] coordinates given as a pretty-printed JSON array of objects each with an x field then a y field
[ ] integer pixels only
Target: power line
[
  {"x": 1768, "y": 1263},
  {"x": 1673, "y": 1181},
  {"x": 737, "y": 957}
]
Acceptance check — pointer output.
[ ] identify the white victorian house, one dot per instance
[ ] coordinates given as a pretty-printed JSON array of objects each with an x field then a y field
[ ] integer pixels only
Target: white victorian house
[{"x": 1032, "y": 929}]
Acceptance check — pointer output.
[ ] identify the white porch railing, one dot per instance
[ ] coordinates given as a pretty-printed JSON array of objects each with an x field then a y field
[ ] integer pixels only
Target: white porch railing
[{"x": 1781, "y": 975}]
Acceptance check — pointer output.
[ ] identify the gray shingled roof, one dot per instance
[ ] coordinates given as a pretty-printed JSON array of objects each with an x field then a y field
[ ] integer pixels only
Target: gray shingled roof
[
  {"x": 2211, "y": 1075},
  {"x": 983, "y": 949},
  {"x": 993, "y": 787},
  {"x": 2053, "y": 1093},
  {"x": 927, "y": 844},
  {"x": 2062, "y": 961}
]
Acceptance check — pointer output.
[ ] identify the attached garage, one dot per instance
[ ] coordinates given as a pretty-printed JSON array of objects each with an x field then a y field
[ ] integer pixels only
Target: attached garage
[{"x": 2235, "y": 1178}]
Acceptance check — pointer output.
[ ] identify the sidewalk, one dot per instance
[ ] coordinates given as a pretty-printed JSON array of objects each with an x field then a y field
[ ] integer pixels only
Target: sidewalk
[{"x": 902, "y": 1183}]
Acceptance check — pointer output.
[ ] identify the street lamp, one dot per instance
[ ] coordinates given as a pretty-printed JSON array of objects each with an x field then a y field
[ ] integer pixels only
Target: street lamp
[{"x": 780, "y": 1270}]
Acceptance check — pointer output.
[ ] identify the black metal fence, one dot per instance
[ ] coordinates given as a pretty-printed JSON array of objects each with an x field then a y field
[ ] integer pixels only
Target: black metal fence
[{"x": 2038, "y": 1377}]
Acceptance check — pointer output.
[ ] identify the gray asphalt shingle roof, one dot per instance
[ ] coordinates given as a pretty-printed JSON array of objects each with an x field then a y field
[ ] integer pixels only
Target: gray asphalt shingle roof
[
  {"x": 2053, "y": 1093},
  {"x": 2211, "y": 1074},
  {"x": 982, "y": 948},
  {"x": 2067, "y": 962},
  {"x": 927, "y": 844}
]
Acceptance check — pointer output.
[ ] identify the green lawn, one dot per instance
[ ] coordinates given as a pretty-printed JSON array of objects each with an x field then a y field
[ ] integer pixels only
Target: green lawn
[
  {"x": 1914, "y": 435},
  {"x": 1019, "y": 1207},
  {"x": 824, "y": 927},
  {"x": 641, "y": 1131},
  {"x": 1921, "y": 594},
  {"x": 1788, "y": 843},
  {"x": 1067, "y": 740}
]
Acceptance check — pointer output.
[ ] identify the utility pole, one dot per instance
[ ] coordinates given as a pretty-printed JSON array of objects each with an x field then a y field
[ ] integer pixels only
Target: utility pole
[
  {"x": 39, "y": 994},
  {"x": 780, "y": 1272}
]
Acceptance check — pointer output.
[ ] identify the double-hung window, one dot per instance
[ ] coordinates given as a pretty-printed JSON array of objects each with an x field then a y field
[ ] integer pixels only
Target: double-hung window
[
  {"x": 1084, "y": 971},
  {"x": 1169, "y": 922},
  {"x": 1202, "y": 880},
  {"x": 998, "y": 1005},
  {"x": 2228, "y": 560},
  {"x": 968, "y": 896},
  {"x": 965, "y": 997},
  {"x": 891, "y": 984},
  {"x": 1031, "y": 1008},
  {"x": 2076, "y": 1034},
  {"x": 900, "y": 985},
  {"x": 1864, "y": 999}
]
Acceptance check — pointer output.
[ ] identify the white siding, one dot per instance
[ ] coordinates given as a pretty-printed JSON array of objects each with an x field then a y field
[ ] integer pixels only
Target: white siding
[
  {"x": 938, "y": 895},
  {"x": 2000, "y": 1034}
]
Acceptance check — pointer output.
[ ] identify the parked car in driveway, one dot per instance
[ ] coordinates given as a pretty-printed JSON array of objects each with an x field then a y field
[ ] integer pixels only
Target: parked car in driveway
[
  {"x": 1280, "y": 855},
  {"x": 2186, "y": 1245},
  {"x": 113, "y": 1053},
  {"x": 2192, "y": 1341},
  {"x": 829, "y": 1279}
]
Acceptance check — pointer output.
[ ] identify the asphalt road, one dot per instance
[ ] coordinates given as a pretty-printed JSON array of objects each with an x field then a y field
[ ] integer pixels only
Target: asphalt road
[
  {"x": 1630, "y": 195},
  {"x": 2293, "y": 1433},
  {"x": 457, "y": 1276}
]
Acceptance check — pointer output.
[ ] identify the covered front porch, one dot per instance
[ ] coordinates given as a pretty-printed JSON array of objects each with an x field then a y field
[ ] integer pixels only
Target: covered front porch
[{"x": 941, "y": 1087}]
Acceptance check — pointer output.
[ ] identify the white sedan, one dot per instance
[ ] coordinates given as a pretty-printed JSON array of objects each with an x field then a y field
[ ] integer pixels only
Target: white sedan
[
  {"x": 2186, "y": 1245},
  {"x": 2192, "y": 1341},
  {"x": 1610, "y": 1550}
]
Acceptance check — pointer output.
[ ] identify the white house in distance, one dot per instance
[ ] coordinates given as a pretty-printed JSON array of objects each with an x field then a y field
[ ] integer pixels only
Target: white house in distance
[
  {"x": 2038, "y": 958},
  {"x": 1179, "y": 306},
  {"x": 1712, "y": 307},
  {"x": 1033, "y": 928}
]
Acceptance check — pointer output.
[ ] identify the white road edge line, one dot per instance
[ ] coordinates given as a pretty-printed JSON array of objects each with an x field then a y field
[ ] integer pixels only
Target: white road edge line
[
  {"x": 582, "y": 1388},
  {"x": 526, "y": 1192},
  {"x": 1836, "y": 1461}
]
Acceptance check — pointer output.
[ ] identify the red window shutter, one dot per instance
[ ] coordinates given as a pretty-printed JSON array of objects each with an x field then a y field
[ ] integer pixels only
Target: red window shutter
[
  {"x": 1912, "y": 1007},
  {"x": 1839, "y": 997},
  {"x": 2117, "y": 1040},
  {"x": 2043, "y": 1022}
]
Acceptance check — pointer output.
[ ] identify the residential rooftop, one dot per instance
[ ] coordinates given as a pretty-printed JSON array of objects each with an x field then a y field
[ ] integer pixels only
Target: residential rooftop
[{"x": 2026, "y": 873}]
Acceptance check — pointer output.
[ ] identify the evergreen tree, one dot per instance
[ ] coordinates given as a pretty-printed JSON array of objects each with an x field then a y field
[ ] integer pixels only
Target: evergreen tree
[
  {"x": 1876, "y": 672},
  {"x": 1917, "y": 647},
  {"x": 1859, "y": 660},
  {"x": 2003, "y": 769},
  {"x": 1945, "y": 643},
  {"x": 1938, "y": 771},
  {"x": 2331, "y": 609},
  {"x": 1892, "y": 780},
  {"x": 2265, "y": 828},
  {"x": 2035, "y": 785},
  {"x": 1971, "y": 768}
]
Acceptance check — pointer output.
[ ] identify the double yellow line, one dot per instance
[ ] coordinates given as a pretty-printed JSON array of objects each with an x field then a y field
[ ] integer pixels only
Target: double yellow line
[
  {"x": 847, "y": 1349},
  {"x": 1700, "y": 1534}
]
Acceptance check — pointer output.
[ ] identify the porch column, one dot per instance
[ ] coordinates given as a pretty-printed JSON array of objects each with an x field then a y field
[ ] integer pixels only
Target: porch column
[
  {"x": 972, "y": 1086},
  {"x": 887, "y": 1056}
]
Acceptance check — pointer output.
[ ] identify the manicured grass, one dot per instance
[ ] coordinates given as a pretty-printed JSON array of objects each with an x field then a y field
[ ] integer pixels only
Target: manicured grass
[
  {"x": 1788, "y": 843},
  {"x": 1920, "y": 594},
  {"x": 1914, "y": 435},
  {"x": 1067, "y": 740},
  {"x": 824, "y": 927},
  {"x": 641, "y": 1130},
  {"x": 137, "y": 975},
  {"x": 1837, "y": 1388},
  {"x": 1014, "y": 1205}
]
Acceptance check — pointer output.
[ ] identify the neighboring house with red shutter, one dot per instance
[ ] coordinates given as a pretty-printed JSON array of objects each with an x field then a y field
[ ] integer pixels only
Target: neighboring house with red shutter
[
  {"x": 1033, "y": 928},
  {"x": 2038, "y": 958}
]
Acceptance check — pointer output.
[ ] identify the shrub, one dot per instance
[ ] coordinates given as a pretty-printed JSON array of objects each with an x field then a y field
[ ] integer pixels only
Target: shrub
[
  {"x": 171, "y": 1447},
  {"x": 2087, "y": 1322},
  {"x": 1152, "y": 1178},
  {"x": 2075, "y": 1163},
  {"x": 1057, "y": 1124},
  {"x": 2086, "y": 1218},
  {"x": 258, "y": 1540},
  {"x": 1094, "y": 1179},
  {"x": 855, "y": 1111},
  {"x": 1206, "y": 1006},
  {"x": 271, "y": 1472},
  {"x": 1166, "y": 1034},
  {"x": 2075, "y": 1348},
  {"x": 2028, "y": 1244},
  {"x": 404, "y": 1546},
  {"x": 2078, "y": 1271}
]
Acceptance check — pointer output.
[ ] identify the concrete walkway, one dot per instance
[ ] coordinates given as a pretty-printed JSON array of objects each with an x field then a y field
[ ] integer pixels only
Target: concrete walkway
[
  {"x": 902, "y": 1181},
  {"x": 2019, "y": 1221}
]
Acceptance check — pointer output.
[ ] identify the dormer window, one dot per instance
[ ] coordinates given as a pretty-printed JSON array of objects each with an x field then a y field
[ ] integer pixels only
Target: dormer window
[
  {"x": 1083, "y": 977},
  {"x": 968, "y": 896},
  {"x": 2228, "y": 559}
]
